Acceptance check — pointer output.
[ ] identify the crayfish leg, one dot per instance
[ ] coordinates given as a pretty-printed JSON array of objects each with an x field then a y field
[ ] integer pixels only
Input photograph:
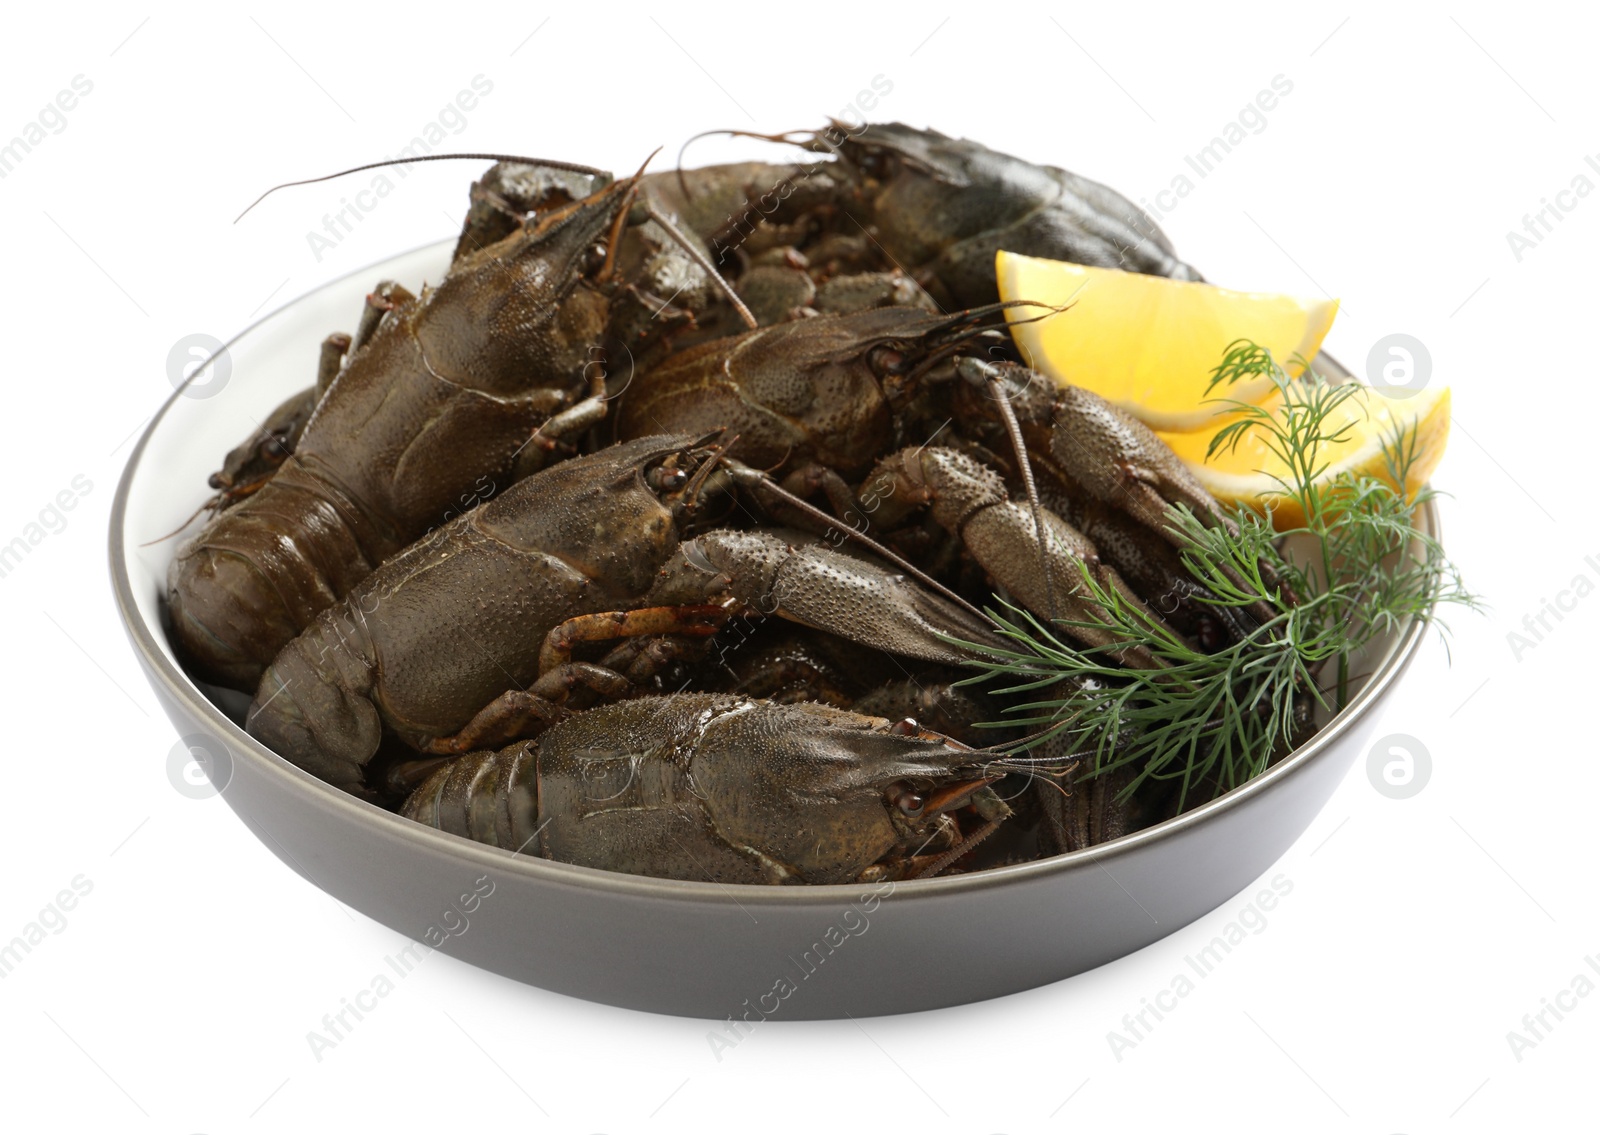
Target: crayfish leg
[
  {"x": 554, "y": 432},
  {"x": 330, "y": 361},
  {"x": 701, "y": 621},
  {"x": 805, "y": 482},
  {"x": 517, "y": 714},
  {"x": 383, "y": 299}
]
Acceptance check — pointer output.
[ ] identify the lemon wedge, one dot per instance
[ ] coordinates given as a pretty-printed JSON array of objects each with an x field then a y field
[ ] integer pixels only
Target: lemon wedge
[
  {"x": 1147, "y": 343},
  {"x": 1248, "y": 474}
]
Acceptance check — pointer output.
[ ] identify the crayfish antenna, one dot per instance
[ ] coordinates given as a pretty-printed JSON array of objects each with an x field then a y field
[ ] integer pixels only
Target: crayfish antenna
[
  {"x": 1008, "y": 415},
  {"x": 719, "y": 443},
  {"x": 960, "y": 849},
  {"x": 1050, "y": 308},
  {"x": 571, "y": 167},
  {"x": 210, "y": 502},
  {"x": 783, "y": 136},
  {"x": 638, "y": 173},
  {"x": 748, "y": 475},
  {"x": 614, "y": 238},
  {"x": 704, "y": 262}
]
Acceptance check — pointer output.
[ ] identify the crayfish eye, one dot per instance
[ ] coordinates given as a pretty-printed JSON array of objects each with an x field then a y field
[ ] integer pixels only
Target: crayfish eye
[
  {"x": 593, "y": 258},
  {"x": 872, "y": 163},
  {"x": 274, "y": 447},
  {"x": 665, "y": 480},
  {"x": 886, "y": 361},
  {"x": 908, "y": 800}
]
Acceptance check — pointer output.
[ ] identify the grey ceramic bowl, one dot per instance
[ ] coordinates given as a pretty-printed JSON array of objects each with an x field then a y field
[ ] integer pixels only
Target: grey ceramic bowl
[{"x": 673, "y": 947}]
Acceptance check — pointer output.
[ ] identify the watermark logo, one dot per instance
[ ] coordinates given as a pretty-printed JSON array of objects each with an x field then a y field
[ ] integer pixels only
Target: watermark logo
[
  {"x": 199, "y": 766},
  {"x": 451, "y": 120},
  {"x": 51, "y": 119},
  {"x": 1543, "y": 221},
  {"x": 51, "y": 919},
  {"x": 851, "y": 923},
  {"x": 1137, "y": 1025},
  {"x": 340, "y": 1023},
  {"x": 51, "y": 521},
  {"x": 194, "y": 354},
  {"x": 742, "y": 222},
  {"x": 1537, "y": 1026},
  {"x": 1251, "y": 119},
  {"x": 611, "y": 366},
  {"x": 1399, "y": 766},
  {"x": 1399, "y": 365},
  {"x": 1538, "y": 624}
]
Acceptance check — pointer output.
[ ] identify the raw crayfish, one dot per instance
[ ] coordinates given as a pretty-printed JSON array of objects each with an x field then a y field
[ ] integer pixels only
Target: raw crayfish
[
  {"x": 726, "y": 789},
  {"x": 608, "y": 575},
  {"x": 446, "y": 394},
  {"x": 445, "y": 645}
]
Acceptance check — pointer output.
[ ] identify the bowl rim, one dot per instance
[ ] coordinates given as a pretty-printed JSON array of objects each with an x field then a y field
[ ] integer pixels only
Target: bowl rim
[{"x": 181, "y": 689}]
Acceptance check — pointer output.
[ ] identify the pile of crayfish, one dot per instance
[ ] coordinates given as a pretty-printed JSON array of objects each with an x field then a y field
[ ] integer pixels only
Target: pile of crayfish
[{"x": 654, "y": 535}]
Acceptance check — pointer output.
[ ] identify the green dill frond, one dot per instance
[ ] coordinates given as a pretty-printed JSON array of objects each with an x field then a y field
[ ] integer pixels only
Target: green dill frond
[{"x": 1210, "y": 721}]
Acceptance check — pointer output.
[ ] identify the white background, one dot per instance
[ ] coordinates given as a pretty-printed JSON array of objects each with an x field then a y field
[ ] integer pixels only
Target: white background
[{"x": 1418, "y": 932}]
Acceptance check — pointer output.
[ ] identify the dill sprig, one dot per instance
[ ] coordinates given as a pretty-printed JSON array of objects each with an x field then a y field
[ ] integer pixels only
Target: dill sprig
[{"x": 1213, "y": 720}]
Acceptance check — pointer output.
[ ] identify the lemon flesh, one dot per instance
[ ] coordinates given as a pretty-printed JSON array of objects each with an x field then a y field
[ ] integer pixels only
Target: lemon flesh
[
  {"x": 1249, "y": 474},
  {"x": 1147, "y": 343}
]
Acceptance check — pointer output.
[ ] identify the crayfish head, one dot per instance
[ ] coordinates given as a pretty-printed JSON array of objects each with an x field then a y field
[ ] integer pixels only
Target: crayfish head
[
  {"x": 580, "y": 239},
  {"x": 614, "y": 513},
  {"x": 530, "y": 309},
  {"x": 685, "y": 477},
  {"x": 881, "y": 152},
  {"x": 900, "y": 347},
  {"x": 839, "y": 797}
]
